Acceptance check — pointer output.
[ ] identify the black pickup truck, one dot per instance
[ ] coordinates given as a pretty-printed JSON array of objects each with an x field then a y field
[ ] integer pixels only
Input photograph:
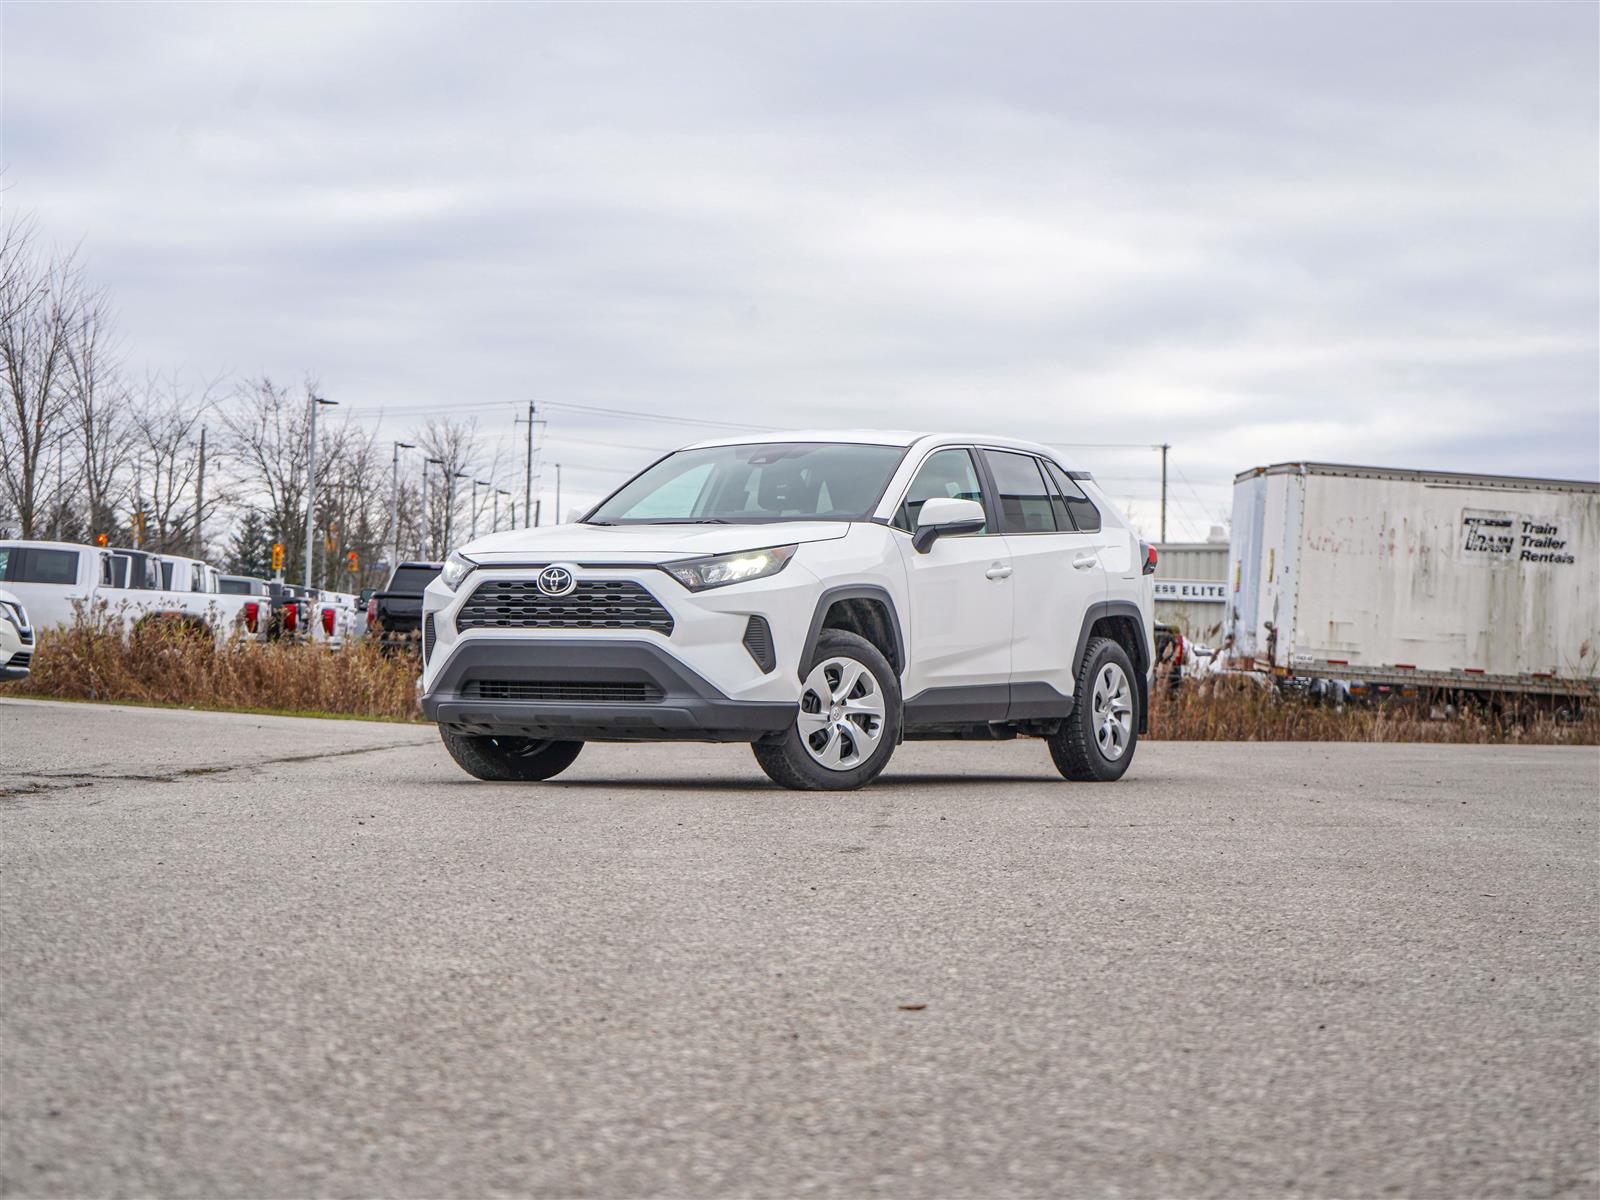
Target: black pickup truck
[{"x": 394, "y": 615}]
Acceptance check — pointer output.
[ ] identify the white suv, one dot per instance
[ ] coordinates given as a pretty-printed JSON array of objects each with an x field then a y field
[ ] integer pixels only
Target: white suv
[{"x": 819, "y": 595}]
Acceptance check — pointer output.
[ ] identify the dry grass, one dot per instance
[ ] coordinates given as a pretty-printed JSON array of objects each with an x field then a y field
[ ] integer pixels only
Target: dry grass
[
  {"x": 167, "y": 666},
  {"x": 1235, "y": 709}
]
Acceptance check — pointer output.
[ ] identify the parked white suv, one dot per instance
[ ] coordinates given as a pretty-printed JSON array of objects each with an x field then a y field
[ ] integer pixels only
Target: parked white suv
[
  {"x": 819, "y": 595},
  {"x": 16, "y": 638}
]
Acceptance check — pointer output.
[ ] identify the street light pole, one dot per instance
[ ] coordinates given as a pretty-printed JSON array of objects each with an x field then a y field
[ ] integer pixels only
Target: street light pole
[
  {"x": 311, "y": 480},
  {"x": 498, "y": 492},
  {"x": 394, "y": 504},
  {"x": 558, "y": 493},
  {"x": 450, "y": 507},
  {"x": 425, "y": 539}
]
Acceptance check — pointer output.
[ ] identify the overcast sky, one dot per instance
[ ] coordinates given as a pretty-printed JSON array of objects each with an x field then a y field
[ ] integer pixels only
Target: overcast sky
[{"x": 1350, "y": 232}]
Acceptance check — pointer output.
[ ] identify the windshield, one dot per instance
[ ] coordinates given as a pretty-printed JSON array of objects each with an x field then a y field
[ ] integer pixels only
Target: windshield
[{"x": 771, "y": 481}]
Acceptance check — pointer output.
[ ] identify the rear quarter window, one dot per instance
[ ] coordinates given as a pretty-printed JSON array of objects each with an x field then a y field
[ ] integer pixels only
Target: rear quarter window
[{"x": 1084, "y": 514}]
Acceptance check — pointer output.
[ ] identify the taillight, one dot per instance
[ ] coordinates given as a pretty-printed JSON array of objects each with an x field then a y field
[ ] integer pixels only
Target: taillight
[
  {"x": 291, "y": 617},
  {"x": 252, "y": 615},
  {"x": 1177, "y": 655},
  {"x": 1149, "y": 558},
  {"x": 327, "y": 621},
  {"x": 372, "y": 610}
]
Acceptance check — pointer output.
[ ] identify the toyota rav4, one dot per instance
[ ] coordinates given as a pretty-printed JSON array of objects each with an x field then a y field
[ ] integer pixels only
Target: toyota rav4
[{"x": 822, "y": 596}]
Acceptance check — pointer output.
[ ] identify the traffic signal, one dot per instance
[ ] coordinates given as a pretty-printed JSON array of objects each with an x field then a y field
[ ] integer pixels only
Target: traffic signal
[
  {"x": 352, "y": 562},
  {"x": 277, "y": 556},
  {"x": 100, "y": 539}
]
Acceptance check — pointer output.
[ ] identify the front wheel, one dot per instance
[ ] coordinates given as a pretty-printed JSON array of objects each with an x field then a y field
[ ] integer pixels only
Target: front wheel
[
  {"x": 848, "y": 720},
  {"x": 509, "y": 759},
  {"x": 1096, "y": 742}
]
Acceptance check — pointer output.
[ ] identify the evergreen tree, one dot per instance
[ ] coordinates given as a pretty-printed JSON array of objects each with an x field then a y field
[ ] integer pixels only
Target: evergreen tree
[{"x": 250, "y": 550}]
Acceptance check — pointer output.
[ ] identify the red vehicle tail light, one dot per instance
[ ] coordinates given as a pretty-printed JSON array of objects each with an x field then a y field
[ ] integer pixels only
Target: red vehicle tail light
[
  {"x": 252, "y": 615},
  {"x": 1150, "y": 557},
  {"x": 291, "y": 617},
  {"x": 1177, "y": 655},
  {"x": 327, "y": 621},
  {"x": 372, "y": 611}
]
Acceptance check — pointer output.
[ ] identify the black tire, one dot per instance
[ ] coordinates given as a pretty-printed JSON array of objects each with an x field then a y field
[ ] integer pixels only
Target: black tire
[
  {"x": 509, "y": 759},
  {"x": 1076, "y": 747},
  {"x": 785, "y": 757}
]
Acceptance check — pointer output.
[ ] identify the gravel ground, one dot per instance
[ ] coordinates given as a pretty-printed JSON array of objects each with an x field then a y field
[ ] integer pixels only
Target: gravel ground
[{"x": 253, "y": 956}]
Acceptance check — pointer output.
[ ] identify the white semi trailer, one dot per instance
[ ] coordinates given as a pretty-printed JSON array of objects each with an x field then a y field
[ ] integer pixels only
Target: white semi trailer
[{"x": 1432, "y": 580}]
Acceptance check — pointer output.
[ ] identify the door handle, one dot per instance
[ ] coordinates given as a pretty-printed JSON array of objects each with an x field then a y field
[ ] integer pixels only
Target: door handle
[
  {"x": 997, "y": 571},
  {"x": 1084, "y": 561}
]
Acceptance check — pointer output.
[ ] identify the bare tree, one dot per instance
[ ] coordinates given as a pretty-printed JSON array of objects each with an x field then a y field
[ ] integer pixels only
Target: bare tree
[
  {"x": 455, "y": 445},
  {"x": 267, "y": 428},
  {"x": 39, "y": 299},
  {"x": 97, "y": 404},
  {"x": 167, "y": 421}
]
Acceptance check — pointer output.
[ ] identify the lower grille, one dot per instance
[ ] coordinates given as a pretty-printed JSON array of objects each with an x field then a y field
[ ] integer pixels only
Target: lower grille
[
  {"x": 428, "y": 636},
  {"x": 541, "y": 691},
  {"x": 25, "y": 659}
]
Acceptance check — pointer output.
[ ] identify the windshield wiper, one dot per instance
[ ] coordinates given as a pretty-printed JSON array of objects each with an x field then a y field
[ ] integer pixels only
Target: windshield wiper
[
  {"x": 597, "y": 522},
  {"x": 691, "y": 521}
]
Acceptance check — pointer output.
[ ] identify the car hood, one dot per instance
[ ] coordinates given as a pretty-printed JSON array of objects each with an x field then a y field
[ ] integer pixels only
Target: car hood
[{"x": 642, "y": 543}]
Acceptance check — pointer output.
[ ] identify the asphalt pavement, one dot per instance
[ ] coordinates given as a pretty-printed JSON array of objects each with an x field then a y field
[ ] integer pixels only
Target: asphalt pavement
[{"x": 254, "y": 956}]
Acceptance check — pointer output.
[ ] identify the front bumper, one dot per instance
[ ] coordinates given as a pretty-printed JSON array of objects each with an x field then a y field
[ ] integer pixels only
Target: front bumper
[{"x": 672, "y": 701}]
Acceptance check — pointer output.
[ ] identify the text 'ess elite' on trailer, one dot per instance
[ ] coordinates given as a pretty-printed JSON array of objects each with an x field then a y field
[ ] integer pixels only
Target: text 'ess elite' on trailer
[{"x": 1441, "y": 580}]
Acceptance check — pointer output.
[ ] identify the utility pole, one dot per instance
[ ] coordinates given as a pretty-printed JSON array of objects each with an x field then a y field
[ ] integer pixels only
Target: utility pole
[
  {"x": 200, "y": 493},
  {"x": 394, "y": 502},
  {"x": 527, "y": 478},
  {"x": 311, "y": 482},
  {"x": 1165, "y": 446},
  {"x": 558, "y": 493}
]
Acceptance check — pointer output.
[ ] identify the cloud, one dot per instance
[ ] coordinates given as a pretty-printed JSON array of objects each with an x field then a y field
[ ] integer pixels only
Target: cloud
[{"x": 1255, "y": 232}]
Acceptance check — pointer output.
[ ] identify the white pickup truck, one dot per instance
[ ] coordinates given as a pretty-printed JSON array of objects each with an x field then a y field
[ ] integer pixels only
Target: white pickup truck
[{"x": 55, "y": 580}]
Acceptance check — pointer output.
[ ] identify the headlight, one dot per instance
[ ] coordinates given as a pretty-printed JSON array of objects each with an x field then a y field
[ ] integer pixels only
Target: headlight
[
  {"x": 698, "y": 574},
  {"x": 456, "y": 568}
]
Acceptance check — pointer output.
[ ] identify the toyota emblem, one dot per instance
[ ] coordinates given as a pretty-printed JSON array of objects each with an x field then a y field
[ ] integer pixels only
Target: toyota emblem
[{"x": 556, "y": 581}]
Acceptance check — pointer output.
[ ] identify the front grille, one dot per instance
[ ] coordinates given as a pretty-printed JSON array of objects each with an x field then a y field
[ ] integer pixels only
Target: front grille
[
  {"x": 428, "y": 636},
  {"x": 758, "y": 640},
  {"x": 541, "y": 691},
  {"x": 593, "y": 604}
]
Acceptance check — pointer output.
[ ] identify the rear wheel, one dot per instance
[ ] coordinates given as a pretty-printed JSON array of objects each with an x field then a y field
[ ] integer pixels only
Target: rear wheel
[
  {"x": 1096, "y": 742},
  {"x": 505, "y": 759},
  {"x": 848, "y": 720}
]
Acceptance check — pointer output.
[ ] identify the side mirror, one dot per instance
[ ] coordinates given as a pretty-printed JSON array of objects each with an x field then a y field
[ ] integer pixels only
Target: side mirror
[{"x": 945, "y": 515}]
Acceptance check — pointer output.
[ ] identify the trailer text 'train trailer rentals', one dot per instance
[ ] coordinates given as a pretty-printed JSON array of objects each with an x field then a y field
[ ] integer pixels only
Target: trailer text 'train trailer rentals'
[{"x": 1422, "y": 578}]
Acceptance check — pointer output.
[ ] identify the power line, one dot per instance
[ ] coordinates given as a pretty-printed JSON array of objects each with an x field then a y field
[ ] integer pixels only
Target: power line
[{"x": 646, "y": 416}]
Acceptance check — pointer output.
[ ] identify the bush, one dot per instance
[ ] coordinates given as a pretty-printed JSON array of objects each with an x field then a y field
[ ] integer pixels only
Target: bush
[
  {"x": 1234, "y": 708},
  {"x": 166, "y": 664}
]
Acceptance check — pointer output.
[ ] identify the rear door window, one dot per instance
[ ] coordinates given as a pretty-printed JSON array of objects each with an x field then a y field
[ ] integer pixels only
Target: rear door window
[
  {"x": 412, "y": 579},
  {"x": 1025, "y": 504},
  {"x": 1084, "y": 514},
  {"x": 45, "y": 566}
]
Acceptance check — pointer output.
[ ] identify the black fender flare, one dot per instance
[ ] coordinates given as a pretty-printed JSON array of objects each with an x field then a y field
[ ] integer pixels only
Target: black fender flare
[
  {"x": 1121, "y": 608},
  {"x": 853, "y": 591}
]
